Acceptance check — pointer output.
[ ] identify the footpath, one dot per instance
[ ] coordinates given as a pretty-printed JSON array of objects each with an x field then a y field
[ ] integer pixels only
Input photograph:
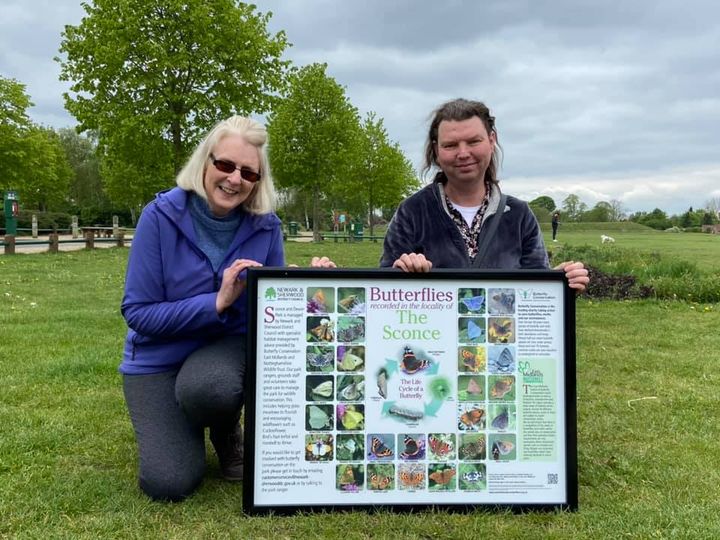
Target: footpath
[{"x": 64, "y": 245}]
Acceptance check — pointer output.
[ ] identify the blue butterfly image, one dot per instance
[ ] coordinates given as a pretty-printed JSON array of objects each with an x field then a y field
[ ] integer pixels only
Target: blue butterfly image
[
  {"x": 474, "y": 303},
  {"x": 474, "y": 331}
]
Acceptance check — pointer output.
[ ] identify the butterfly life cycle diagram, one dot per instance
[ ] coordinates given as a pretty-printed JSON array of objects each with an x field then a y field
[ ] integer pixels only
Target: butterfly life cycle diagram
[{"x": 371, "y": 390}]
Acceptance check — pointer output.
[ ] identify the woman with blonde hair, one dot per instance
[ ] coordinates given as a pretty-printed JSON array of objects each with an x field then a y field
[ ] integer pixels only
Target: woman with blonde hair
[{"x": 185, "y": 307}]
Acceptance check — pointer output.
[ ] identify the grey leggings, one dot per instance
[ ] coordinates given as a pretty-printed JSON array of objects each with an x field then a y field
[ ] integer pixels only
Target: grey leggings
[{"x": 170, "y": 410}]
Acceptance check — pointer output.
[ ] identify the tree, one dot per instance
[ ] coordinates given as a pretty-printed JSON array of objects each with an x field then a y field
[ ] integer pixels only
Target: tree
[
  {"x": 384, "y": 176},
  {"x": 86, "y": 192},
  {"x": 47, "y": 172},
  {"x": 657, "y": 219},
  {"x": 314, "y": 137},
  {"x": 573, "y": 207},
  {"x": 151, "y": 76},
  {"x": 542, "y": 207},
  {"x": 713, "y": 206},
  {"x": 15, "y": 127},
  {"x": 543, "y": 202},
  {"x": 601, "y": 212},
  {"x": 617, "y": 210},
  {"x": 32, "y": 161},
  {"x": 686, "y": 220}
]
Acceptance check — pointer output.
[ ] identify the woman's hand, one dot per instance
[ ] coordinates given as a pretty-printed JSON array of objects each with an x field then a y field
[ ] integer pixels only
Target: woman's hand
[
  {"x": 576, "y": 274},
  {"x": 234, "y": 281},
  {"x": 322, "y": 262},
  {"x": 413, "y": 262}
]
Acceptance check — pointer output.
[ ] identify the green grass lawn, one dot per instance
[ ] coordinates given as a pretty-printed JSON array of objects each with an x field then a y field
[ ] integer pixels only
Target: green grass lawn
[
  {"x": 702, "y": 249},
  {"x": 647, "y": 421}
]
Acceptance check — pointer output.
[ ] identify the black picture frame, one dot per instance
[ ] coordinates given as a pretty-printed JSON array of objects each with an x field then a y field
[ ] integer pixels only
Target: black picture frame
[{"x": 293, "y": 280}]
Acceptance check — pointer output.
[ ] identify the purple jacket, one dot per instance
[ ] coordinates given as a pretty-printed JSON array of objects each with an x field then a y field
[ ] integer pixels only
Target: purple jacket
[{"x": 170, "y": 288}]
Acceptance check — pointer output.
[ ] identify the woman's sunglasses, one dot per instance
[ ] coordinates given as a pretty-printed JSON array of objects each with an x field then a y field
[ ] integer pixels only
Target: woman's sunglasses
[{"x": 228, "y": 167}]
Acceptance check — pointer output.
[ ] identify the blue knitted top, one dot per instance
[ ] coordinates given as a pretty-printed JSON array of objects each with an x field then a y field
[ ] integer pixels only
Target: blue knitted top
[{"x": 214, "y": 234}]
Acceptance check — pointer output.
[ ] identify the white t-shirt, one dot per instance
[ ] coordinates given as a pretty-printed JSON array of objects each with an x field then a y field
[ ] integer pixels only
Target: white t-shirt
[{"x": 467, "y": 212}]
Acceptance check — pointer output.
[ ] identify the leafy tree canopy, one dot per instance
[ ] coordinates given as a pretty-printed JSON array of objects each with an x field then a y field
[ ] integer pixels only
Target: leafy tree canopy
[
  {"x": 573, "y": 207},
  {"x": 14, "y": 130},
  {"x": 32, "y": 160},
  {"x": 314, "y": 137},
  {"x": 601, "y": 212},
  {"x": 151, "y": 76},
  {"x": 383, "y": 176},
  {"x": 543, "y": 202}
]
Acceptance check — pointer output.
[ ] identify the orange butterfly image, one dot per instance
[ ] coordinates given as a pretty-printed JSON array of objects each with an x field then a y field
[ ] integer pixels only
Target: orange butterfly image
[
  {"x": 379, "y": 482},
  {"x": 412, "y": 479},
  {"x": 473, "y": 361},
  {"x": 348, "y": 476},
  {"x": 379, "y": 449},
  {"x": 439, "y": 447},
  {"x": 473, "y": 419},
  {"x": 323, "y": 331},
  {"x": 349, "y": 302},
  {"x": 442, "y": 477}
]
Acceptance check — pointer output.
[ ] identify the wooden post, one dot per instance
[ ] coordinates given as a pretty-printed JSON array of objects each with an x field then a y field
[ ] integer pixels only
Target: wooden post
[
  {"x": 9, "y": 244},
  {"x": 75, "y": 232},
  {"x": 116, "y": 226},
  {"x": 89, "y": 240},
  {"x": 34, "y": 226},
  {"x": 120, "y": 238},
  {"x": 54, "y": 244}
]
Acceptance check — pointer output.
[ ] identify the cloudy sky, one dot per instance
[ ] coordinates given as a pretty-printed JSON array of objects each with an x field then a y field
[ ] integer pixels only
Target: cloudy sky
[{"x": 611, "y": 99}]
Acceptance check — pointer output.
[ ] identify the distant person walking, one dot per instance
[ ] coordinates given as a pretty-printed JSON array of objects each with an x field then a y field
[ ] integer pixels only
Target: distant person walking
[{"x": 555, "y": 224}]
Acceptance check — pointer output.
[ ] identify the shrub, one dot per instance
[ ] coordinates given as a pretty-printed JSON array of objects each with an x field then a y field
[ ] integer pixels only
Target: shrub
[
  {"x": 616, "y": 287},
  {"x": 621, "y": 273},
  {"x": 688, "y": 287},
  {"x": 46, "y": 220}
]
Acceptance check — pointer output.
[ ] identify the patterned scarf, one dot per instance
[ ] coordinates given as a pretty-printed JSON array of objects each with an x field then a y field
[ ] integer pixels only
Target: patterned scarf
[{"x": 470, "y": 233}]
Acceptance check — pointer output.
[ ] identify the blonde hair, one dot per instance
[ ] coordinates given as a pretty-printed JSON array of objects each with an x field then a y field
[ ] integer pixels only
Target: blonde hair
[{"x": 262, "y": 197}]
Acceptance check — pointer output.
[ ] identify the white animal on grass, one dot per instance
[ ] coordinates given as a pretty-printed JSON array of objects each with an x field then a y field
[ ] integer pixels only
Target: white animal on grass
[{"x": 607, "y": 239}]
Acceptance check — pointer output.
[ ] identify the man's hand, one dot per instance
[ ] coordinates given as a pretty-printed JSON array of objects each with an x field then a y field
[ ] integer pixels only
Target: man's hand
[
  {"x": 413, "y": 262},
  {"x": 576, "y": 274}
]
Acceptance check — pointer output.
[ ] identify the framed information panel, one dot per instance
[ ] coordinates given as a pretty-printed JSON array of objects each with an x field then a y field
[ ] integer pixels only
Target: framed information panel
[{"x": 370, "y": 388}]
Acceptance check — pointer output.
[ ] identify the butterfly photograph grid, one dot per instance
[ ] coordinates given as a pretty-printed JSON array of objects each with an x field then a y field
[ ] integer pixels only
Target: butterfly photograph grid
[{"x": 335, "y": 395}]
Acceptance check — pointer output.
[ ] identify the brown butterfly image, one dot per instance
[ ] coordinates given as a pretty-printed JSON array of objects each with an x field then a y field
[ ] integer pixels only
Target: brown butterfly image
[
  {"x": 347, "y": 477},
  {"x": 411, "y": 479},
  {"x": 472, "y": 419},
  {"x": 380, "y": 482},
  {"x": 473, "y": 361},
  {"x": 502, "y": 387},
  {"x": 323, "y": 331},
  {"x": 442, "y": 477}
]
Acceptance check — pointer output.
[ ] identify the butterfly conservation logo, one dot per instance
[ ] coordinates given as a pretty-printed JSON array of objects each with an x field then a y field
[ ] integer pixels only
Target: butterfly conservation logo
[{"x": 530, "y": 375}]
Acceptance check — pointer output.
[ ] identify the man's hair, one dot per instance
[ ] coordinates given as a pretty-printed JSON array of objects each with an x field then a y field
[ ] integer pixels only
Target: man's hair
[
  {"x": 458, "y": 110},
  {"x": 262, "y": 197}
]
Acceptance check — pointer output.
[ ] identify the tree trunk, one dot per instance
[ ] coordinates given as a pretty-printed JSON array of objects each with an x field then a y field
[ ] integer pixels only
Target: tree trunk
[
  {"x": 371, "y": 209},
  {"x": 176, "y": 131},
  {"x": 316, "y": 213}
]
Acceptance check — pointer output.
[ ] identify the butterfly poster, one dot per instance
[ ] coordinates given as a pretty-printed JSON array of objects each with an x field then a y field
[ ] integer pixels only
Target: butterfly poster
[{"x": 378, "y": 389}]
